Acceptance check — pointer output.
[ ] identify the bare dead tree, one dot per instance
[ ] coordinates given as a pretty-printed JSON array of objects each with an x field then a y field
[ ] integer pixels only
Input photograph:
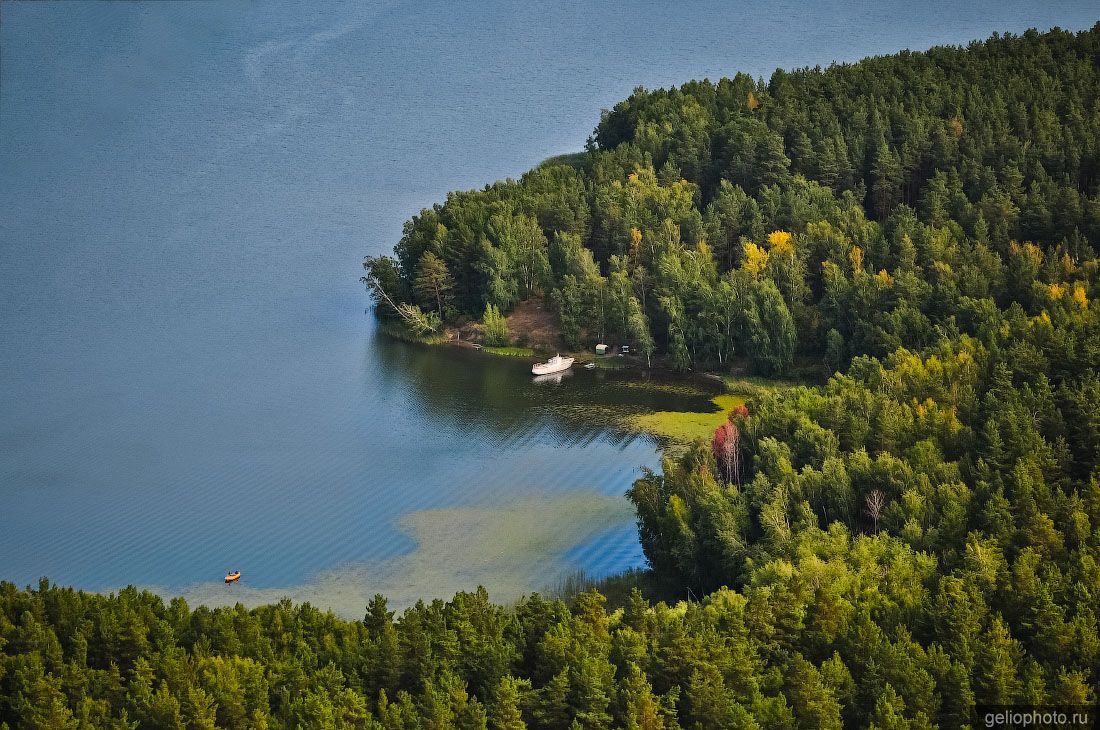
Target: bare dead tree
[
  {"x": 876, "y": 501},
  {"x": 731, "y": 454},
  {"x": 728, "y": 450},
  {"x": 726, "y": 447}
]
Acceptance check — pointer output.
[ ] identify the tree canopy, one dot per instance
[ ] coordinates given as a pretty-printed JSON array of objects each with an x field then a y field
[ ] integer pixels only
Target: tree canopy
[
  {"x": 879, "y": 200},
  {"x": 917, "y": 536}
]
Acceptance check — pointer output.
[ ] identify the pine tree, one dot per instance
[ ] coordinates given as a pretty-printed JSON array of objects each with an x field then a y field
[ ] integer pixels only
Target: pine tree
[
  {"x": 434, "y": 285},
  {"x": 886, "y": 180},
  {"x": 504, "y": 712},
  {"x": 641, "y": 710}
]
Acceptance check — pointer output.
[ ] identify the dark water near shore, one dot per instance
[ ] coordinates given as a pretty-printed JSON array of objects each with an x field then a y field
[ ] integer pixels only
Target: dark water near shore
[{"x": 188, "y": 381}]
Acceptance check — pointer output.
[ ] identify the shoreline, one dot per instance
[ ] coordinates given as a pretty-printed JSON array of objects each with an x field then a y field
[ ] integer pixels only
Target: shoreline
[
  {"x": 737, "y": 382},
  {"x": 726, "y": 383},
  {"x": 674, "y": 430}
]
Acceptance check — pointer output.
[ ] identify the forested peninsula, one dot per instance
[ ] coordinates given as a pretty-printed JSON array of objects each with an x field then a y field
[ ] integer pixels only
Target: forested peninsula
[{"x": 915, "y": 538}]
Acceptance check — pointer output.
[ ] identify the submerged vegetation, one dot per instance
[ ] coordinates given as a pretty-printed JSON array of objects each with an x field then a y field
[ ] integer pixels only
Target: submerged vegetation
[
  {"x": 919, "y": 536},
  {"x": 685, "y": 427}
]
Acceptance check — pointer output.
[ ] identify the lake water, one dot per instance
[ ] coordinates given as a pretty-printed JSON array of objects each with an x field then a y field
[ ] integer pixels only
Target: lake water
[{"x": 188, "y": 380}]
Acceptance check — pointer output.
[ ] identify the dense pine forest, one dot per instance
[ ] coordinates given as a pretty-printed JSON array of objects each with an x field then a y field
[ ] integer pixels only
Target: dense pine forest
[{"x": 916, "y": 537}]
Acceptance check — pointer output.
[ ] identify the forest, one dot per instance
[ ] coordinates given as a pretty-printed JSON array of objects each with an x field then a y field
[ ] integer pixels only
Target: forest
[{"x": 915, "y": 538}]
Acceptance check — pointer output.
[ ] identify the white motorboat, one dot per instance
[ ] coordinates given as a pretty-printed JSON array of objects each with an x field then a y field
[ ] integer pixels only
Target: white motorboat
[{"x": 556, "y": 364}]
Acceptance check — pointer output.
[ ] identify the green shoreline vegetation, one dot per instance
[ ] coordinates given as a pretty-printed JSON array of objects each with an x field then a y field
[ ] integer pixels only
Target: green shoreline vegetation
[
  {"x": 916, "y": 537},
  {"x": 509, "y": 351}
]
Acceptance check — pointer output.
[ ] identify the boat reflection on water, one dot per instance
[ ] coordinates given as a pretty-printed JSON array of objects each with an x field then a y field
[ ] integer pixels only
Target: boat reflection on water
[{"x": 552, "y": 377}]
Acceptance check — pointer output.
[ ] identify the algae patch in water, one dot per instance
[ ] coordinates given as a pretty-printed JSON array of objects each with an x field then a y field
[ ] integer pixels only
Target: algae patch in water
[
  {"x": 685, "y": 427},
  {"x": 512, "y": 550}
]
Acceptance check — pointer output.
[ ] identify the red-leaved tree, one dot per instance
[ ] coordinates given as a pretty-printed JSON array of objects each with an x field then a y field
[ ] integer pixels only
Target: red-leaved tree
[{"x": 726, "y": 446}]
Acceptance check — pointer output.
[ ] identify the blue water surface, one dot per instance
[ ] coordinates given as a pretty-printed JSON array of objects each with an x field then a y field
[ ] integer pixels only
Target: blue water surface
[{"x": 188, "y": 380}]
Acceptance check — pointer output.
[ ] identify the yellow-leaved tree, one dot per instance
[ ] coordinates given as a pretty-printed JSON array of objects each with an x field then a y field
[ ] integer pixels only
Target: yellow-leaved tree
[
  {"x": 780, "y": 242},
  {"x": 756, "y": 259},
  {"x": 1080, "y": 297},
  {"x": 856, "y": 257}
]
